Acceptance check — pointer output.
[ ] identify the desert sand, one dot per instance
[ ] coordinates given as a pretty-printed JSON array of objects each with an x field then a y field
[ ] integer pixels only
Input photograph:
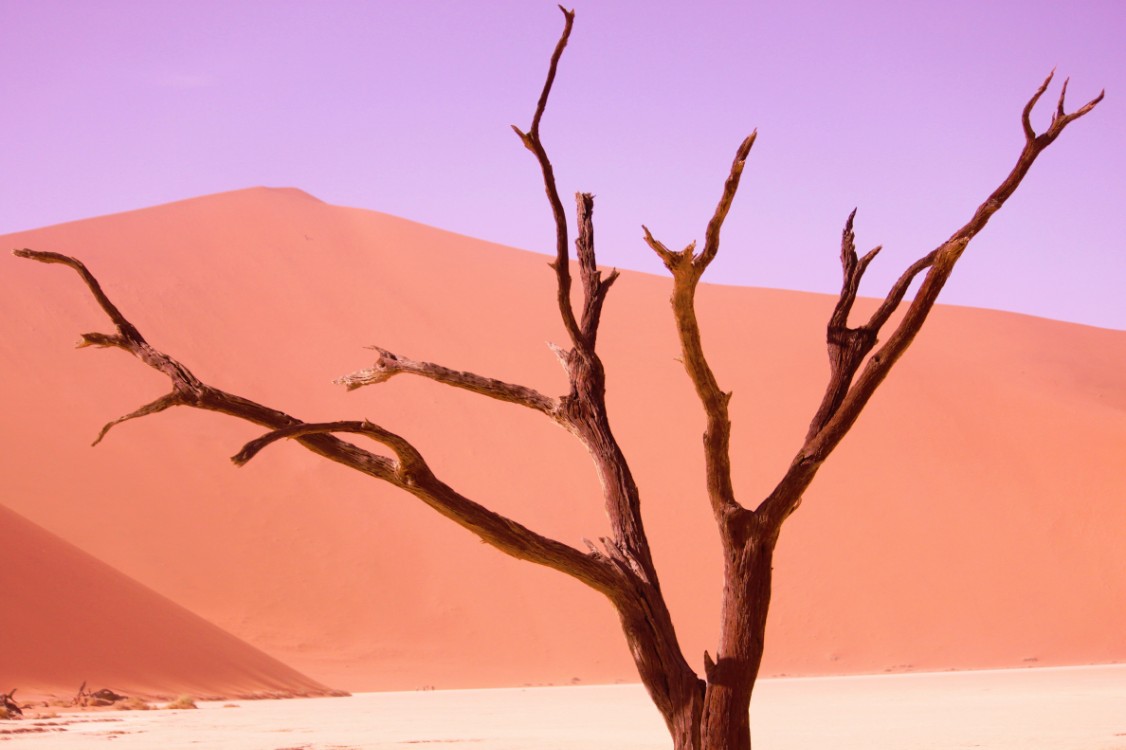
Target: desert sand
[
  {"x": 99, "y": 626},
  {"x": 1024, "y": 709},
  {"x": 973, "y": 519}
]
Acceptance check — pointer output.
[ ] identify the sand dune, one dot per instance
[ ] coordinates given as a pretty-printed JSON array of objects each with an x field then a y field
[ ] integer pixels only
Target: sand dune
[
  {"x": 972, "y": 519},
  {"x": 69, "y": 618}
]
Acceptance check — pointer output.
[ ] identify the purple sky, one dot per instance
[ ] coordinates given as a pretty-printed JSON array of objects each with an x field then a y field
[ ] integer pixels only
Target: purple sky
[{"x": 908, "y": 110}]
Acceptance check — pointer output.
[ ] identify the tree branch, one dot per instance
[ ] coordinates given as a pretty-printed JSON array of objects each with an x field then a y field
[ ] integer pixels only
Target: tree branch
[
  {"x": 541, "y": 104},
  {"x": 686, "y": 271},
  {"x": 407, "y": 455},
  {"x": 899, "y": 290},
  {"x": 410, "y": 472},
  {"x": 852, "y": 271},
  {"x": 388, "y": 365},
  {"x": 644, "y": 614},
  {"x": 124, "y": 327},
  {"x": 532, "y": 142},
  {"x": 828, "y": 429},
  {"x": 128, "y": 337},
  {"x": 594, "y": 288},
  {"x": 166, "y": 401},
  {"x": 583, "y": 410},
  {"x": 847, "y": 346},
  {"x": 730, "y": 186},
  {"x": 661, "y": 249}
]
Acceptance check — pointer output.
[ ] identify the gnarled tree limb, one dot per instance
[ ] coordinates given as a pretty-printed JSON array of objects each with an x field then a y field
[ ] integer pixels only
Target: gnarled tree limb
[
  {"x": 583, "y": 409},
  {"x": 409, "y": 472},
  {"x": 387, "y": 365},
  {"x": 711, "y": 236},
  {"x": 594, "y": 287},
  {"x": 645, "y": 618},
  {"x": 747, "y": 556},
  {"x": 166, "y": 401},
  {"x": 408, "y": 456},
  {"x": 532, "y": 142},
  {"x": 687, "y": 268},
  {"x": 838, "y": 413},
  {"x": 847, "y": 346},
  {"x": 128, "y": 337}
]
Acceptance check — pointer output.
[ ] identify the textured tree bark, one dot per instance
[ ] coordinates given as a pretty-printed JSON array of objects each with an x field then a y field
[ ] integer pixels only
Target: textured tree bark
[
  {"x": 673, "y": 686},
  {"x": 714, "y": 714},
  {"x": 748, "y": 559}
]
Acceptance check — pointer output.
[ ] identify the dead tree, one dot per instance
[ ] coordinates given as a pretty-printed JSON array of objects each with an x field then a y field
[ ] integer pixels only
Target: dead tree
[
  {"x": 709, "y": 712},
  {"x": 9, "y": 705},
  {"x": 102, "y": 697},
  {"x": 81, "y": 698}
]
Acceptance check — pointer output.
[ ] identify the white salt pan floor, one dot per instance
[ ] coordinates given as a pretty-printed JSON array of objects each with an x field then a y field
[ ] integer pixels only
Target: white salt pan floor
[{"x": 1081, "y": 708}]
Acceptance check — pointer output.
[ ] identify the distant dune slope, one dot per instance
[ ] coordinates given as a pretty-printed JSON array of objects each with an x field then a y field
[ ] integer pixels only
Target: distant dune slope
[
  {"x": 69, "y": 618},
  {"x": 973, "y": 518}
]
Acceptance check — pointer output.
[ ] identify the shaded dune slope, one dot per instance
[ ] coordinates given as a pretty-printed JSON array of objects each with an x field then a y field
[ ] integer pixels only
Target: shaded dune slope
[
  {"x": 69, "y": 618},
  {"x": 972, "y": 519}
]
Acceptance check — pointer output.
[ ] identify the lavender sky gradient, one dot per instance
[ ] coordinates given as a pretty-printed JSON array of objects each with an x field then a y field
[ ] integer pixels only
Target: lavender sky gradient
[{"x": 908, "y": 110}]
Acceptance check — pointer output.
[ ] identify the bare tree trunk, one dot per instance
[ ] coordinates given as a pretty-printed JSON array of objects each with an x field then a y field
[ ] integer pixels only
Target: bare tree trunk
[
  {"x": 673, "y": 686},
  {"x": 715, "y": 714},
  {"x": 748, "y": 557}
]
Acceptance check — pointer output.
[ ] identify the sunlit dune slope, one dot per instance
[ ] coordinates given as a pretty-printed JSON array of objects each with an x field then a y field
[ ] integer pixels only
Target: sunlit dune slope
[{"x": 972, "y": 519}]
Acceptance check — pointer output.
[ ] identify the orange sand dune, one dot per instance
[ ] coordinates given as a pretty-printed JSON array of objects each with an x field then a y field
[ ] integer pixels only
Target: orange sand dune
[
  {"x": 69, "y": 618},
  {"x": 972, "y": 519}
]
